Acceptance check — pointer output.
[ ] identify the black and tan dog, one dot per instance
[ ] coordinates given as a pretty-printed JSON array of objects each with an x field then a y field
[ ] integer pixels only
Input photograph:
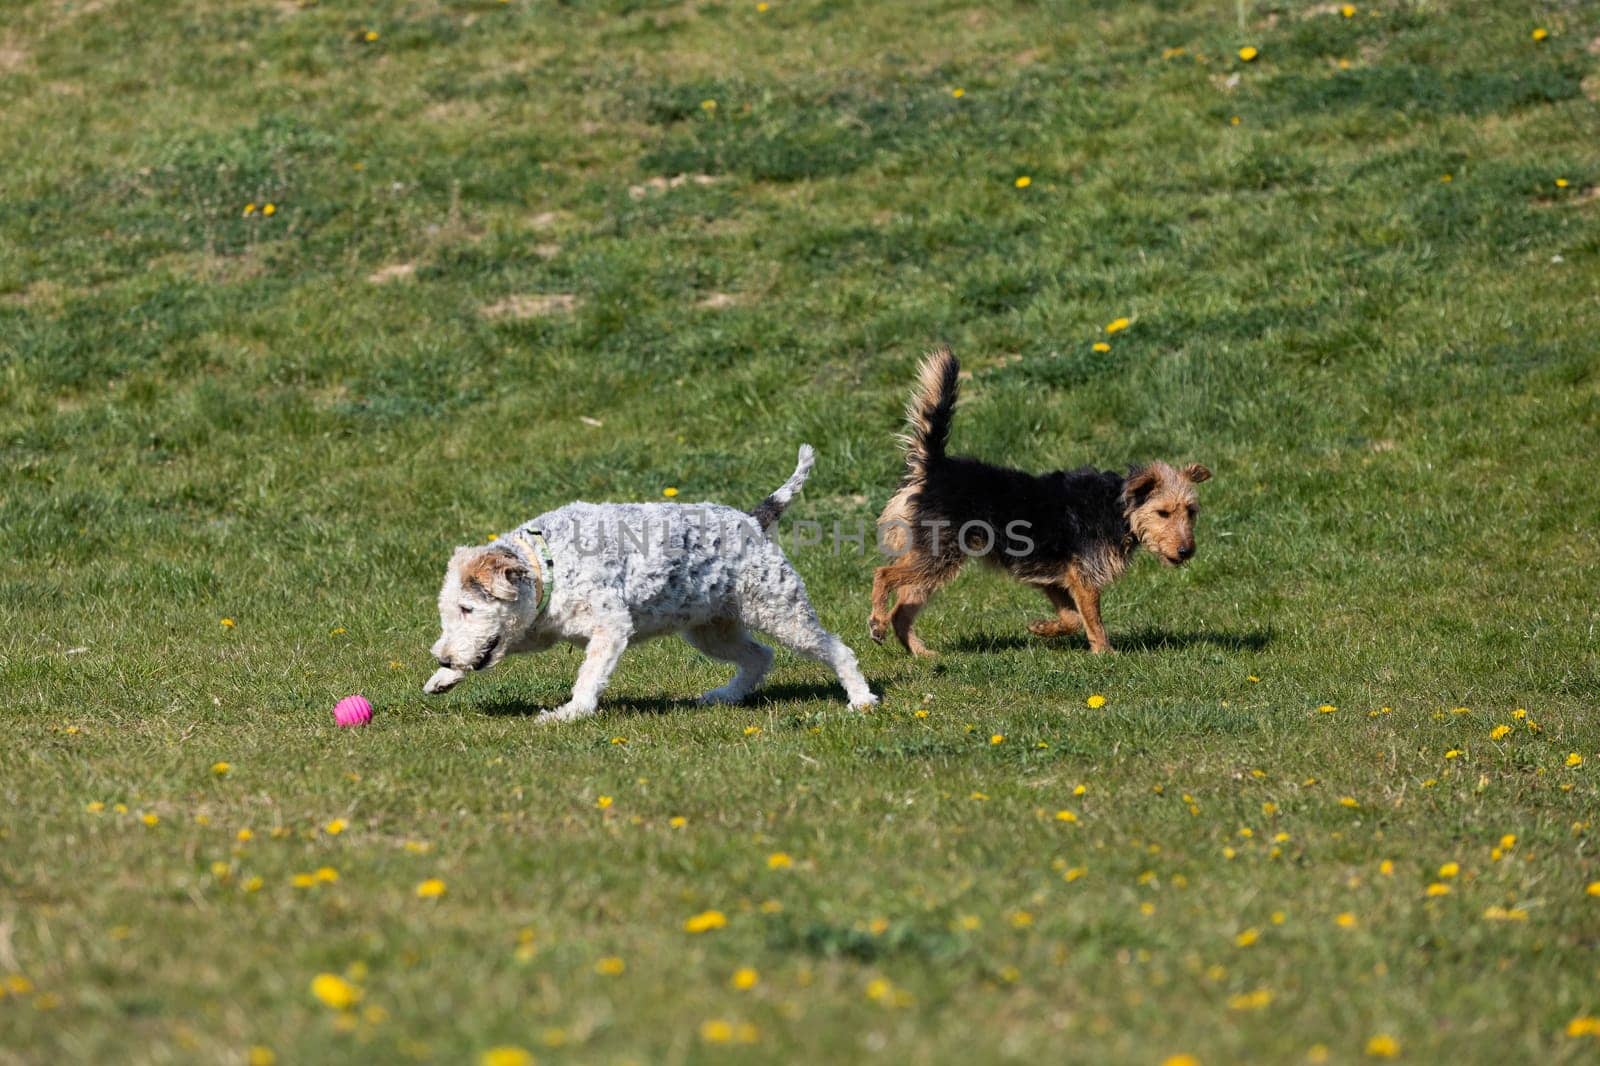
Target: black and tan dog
[{"x": 1071, "y": 532}]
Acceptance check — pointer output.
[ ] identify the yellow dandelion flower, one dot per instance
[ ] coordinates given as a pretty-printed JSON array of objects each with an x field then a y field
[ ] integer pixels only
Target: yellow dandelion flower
[
  {"x": 922, "y": 712},
  {"x": 1386, "y": 868},
  {"x": 1326, "y": 708},
  {"x": 221, "y": 870},
  {"x": 610, "y": 966},
  {"x": 94, "y": 807},
  {"x": 1349, "y": 801},
  {"x": 1438, "y": 888},
  {"x": 370, "y": 36},
  {"x": 326, "y": 875},
  {"x": 1097, "y": 701},
  {"x": 1520, "y": 713},
  {"x": 1021, "y": 919},
  {"x": 744, "y": 978},
  {"x": 151, "y": 820},
  {"x": 969, "y": 922},
  {"x": 1066, "y": 816},
  {"x": 708, "y": 106},
  {"x": 1253, "y": 679},
  {"x": 1583, "y": 1026},
  {"x": 1539, "y": 33},
  {"x": 1449, "y": 870},
  {"x": 1345, "y": 920},
  {"x": 244, "y": 836},
  {"x": 752, "y": 730},
  {"x": 335, "y": 827},
  {"x": 1505, "y": 914},
  {"x": 1180, "y": 1060},
  {"x": 763, "y": 7},
  {"x": 670, "y": 491},
  {"x": 1101, "y": 346},
  {"x": 958, "y": 92},
  {"x": 1247, "y": 937},
  {"x": 1260, "y": 999},
  {"x": 1348, "y": 11},
  {"x": 979, "y": 796},
  {"x": 603, "y": 802},
  {"x": 1574, "y": 759},
  {"x": 303, "y": 881},
  {"x": 221, "y": 769},
  {"x": 1562, "y": 183},
  {"x": 334, "y": 991},
  {"x": 1023, "y": 182},
  {"x": 1278, "y": 917},
  {"x": 1383, "y": 1046},
  {"x": 269, "y": 209},
  {"x": 1499, "y": 732},
  {"x": 505, "y": 1055},
  {"x": 432, "y": 888},
  {"x": 227, "y": 623},
  {"x": 1248, "y": 54},
  {"x": 879, "y": 989},
  {"x": 716, "y": 1031},
  {"x": 261, "y": 1055},
  {"x": 249, "y": 209},
  {"x": 1147, "y": 908},
  {"x": 1073, "y": 873},
  {"x": 779, "y": 860},
  {"x": 254, "y": 884},
  {"x": 1269, "y": 809},
  {"x": 705, "y": 921},
  {"x": 1117, "y": 325},
  {"x": 1593, "y": 889},
  {"x": 677, "y": 821}
]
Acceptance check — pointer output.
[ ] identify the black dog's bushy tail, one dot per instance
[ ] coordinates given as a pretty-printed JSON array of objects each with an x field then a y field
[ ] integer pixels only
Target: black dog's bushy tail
[
  {"x": 933, "y": 403},
  {"x": 770, "y": 509}
]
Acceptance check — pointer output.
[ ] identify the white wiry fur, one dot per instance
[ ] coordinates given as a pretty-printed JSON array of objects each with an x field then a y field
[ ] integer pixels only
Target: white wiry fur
[{"x": 628, "y": 572}]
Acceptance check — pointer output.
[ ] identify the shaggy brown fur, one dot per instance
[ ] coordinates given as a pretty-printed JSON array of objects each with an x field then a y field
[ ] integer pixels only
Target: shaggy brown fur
[{"x": 1069, "y": 533}]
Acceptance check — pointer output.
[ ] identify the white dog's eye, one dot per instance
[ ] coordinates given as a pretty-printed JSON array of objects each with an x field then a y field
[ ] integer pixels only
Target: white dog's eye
[{"x": 465, "y": 609}]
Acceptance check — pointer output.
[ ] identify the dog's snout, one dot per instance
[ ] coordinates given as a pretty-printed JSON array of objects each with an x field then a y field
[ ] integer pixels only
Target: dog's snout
[
  {"x": 442, "y": 661},
  {"x": 1185, "y": 552}
]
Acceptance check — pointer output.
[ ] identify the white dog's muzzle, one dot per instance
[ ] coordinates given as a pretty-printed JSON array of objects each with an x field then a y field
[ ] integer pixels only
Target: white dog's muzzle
[{"x": 443, "y": 680}]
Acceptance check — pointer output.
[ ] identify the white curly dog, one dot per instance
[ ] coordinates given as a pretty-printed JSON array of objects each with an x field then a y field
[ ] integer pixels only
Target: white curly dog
[{"x": 606, "y": 575}]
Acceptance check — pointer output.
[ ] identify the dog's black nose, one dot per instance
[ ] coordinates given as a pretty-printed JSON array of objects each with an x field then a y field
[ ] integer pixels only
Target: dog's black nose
[
  {"x": 442, "y": 661},
  {"x": 1184, "y": 553}
]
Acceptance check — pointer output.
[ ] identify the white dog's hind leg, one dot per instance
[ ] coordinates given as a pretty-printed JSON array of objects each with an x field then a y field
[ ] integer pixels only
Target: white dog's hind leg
[
  {"x": 600, "y": 659},
  {"x": 794, "y": 624},
  {"x": 731, "y": 642}
]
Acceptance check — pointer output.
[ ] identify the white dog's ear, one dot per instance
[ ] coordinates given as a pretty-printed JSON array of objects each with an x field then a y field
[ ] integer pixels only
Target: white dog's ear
[{"x": 494, "y": 572}]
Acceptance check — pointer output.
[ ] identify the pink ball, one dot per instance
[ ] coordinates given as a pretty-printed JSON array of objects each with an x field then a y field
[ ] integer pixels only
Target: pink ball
[{"x": 352, "y": 711}]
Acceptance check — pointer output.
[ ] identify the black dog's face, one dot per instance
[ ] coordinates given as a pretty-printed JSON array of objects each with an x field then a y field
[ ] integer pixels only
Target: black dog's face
[{"x": 1162, "y": 508}]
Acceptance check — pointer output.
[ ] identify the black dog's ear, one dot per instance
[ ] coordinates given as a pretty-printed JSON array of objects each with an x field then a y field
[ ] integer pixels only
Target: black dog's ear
[
  {"x": 1138, "y": 485},
  {"x": 494, "y": 572},
  {"x": 1196, "y": 473}
]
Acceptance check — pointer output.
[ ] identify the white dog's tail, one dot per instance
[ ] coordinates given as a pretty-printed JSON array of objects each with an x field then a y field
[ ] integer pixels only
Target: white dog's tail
[{"x": 769, "y": 510}]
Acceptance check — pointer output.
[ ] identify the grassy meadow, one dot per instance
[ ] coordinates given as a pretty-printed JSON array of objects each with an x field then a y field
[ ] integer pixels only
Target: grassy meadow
[{"x": 295, "y": 297}]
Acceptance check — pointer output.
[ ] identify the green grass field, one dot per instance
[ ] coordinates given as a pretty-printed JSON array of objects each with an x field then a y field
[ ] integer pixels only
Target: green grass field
[{"x": 521, "y": 253}]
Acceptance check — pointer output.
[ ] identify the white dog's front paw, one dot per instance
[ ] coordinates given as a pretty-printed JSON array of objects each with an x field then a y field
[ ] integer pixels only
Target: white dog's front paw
[
  {"x": 721, "y": 696},
  {"x": 865, "y": 703},
  {"x": 567, "y": 712},
  {"x": 443, "y": 680}
]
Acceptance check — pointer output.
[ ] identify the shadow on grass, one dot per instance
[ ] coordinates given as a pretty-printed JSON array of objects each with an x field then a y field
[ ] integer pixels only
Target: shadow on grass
[
  {"x": 1138, "y": 640},
  {"x": 640, "y": 705}
]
